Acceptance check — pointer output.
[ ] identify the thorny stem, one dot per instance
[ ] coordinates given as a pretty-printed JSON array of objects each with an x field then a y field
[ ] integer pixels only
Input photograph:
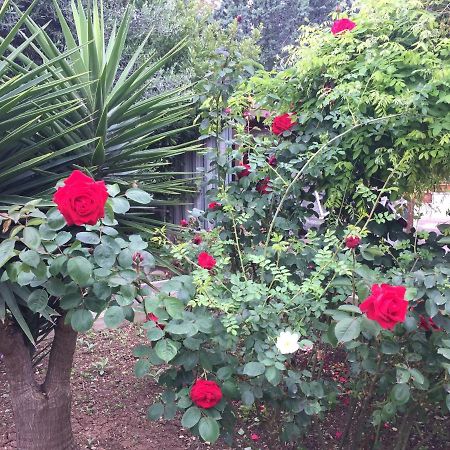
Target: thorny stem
[{"x": 238, "y": 247}]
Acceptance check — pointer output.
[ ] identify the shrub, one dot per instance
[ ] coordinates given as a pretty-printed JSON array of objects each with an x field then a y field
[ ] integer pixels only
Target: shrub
[{"x": 266, "y": 298}]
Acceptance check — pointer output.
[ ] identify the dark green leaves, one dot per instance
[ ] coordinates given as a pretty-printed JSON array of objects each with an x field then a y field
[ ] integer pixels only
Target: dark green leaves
[
  {"x": 81, "y": 320},
  {"x": 209, "y": 429},
  {"x": 155, "y": 411},
  {"x": 254, "y": 369},
  {"x": 114, "y": 316},
  {"x": 348, "y": 329},
  {"x": 31, "y": 238},
  {"x": 88, "y": 237},
  {"x": 37, "y": 301},
  {"x": 80, "y": 270},
  {"x": 191, "y": 417},
  {"x": 166, "y": 349}
]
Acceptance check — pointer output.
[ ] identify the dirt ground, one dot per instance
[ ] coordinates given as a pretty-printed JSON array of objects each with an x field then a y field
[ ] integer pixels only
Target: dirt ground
[
  {"x": 110, "y": 405},
  {"x": 109, "y": 402}
]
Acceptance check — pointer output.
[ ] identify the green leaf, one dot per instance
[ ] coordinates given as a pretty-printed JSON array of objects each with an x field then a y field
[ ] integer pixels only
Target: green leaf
[
  {"x": 38, "y": 300},
  {"x": 71, "y": 300},
  {"x": 104, "y": 256},
  {"x": 6, "y": 251},
  {"x": 191, "y": 417},
  {"x": 444, "y": 352},
  {"x": 138, "y": 196},
  {"x": 174, "y": 307},
  {"x": 119, "y": 205},
  {"x": 155, "y": 411},
  {"x": 113, "y": 189},
  {"x": 348, "y": 329},
  {"x": 350, "y": 309},
  {"x": 30, "y": 258},
  {"x": 31, "y": 238},
  {"x": 141, "y": 368},
  {"x": 389, "y": 348},
  {"x": 254, "y": 369},
  {"x": 224, "y": 373},
  {"x": 400, "y": 393},
  {"x": 87, "y": 237},
  {"x": 79, "y": 269},
  {"x": 55, "y": 220},
  {"x": 209, "y": 429},
  {"x": 114, "y": 316},
  {"x": 154, "y": 334},
  {"x": 166, "y": 349},
  {"x": 273, "y": 375},
  {"x": 417, "y": 376},
  {"x": 81, "y": 320}
]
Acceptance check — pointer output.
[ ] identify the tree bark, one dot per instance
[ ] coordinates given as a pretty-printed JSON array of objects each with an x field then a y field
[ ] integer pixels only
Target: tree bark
[{"x": 41, "y": 411}]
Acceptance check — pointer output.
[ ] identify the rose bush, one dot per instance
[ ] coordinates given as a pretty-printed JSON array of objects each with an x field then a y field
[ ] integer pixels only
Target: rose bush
[{"x": 291, "y": 286}]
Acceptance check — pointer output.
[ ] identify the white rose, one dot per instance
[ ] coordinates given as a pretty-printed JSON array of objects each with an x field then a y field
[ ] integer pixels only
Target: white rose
[{"x": 287, "y": 342}]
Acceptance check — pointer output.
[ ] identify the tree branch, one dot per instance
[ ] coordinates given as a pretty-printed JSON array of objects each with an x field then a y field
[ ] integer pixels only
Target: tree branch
[
  {"x": 17, "y": 359},
  {"x": 61, "y": 357}
]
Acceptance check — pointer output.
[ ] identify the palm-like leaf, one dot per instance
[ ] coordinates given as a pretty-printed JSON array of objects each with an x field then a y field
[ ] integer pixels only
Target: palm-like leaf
[{"x": 92, "y": 115}]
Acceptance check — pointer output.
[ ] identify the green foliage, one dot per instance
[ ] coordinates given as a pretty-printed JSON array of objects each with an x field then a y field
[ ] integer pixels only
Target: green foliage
[
  {"x": 81, "y": 108},
  {"x": 283, "y": 269},
  {"x": 47, "y": 270},
  {"x": 394, "y": 64},
  {"x": 280, "y": 21}
]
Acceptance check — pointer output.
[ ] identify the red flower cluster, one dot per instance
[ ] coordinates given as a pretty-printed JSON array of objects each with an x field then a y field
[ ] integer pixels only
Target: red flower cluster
[
  {"x": 206, "y": 394},
  {"x": 184, "y": 223},
  {"x": 263, "y": 186},
  {"x": 427, "y": 324},
  {"x": 386, "y": 305},
  {"x": 341, "y": 25},
  {"x": 206, "y": 261},
  {"x": 352, "y": 241},
  {"x": 245, "y": 172},
  {"x": 81, "y": 200},
  {"x": 282, "y": 123},
  {"x": 214, "y": 205},
  {"x": 197, "y": 239}
]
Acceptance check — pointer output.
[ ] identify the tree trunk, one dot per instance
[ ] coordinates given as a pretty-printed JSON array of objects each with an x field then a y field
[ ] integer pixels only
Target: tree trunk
[{"x": 41, "y": 411}]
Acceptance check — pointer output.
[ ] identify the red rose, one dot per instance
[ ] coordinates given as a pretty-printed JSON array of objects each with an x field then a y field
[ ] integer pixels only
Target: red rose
[
  {"x": 206, "y": 261},
  {"x": 184, "y": 223},
  {"x": 81, "y": 200},
  {"x": 341, "y": 25},
  {"x": 153, "y": 318},
  {"x": 214, "y": 205},
  {"x": 352, "y": 241},
  {"x": 197, "y": 239},
  {"x": 386, "y": 305},
  {"x": 282, "y": 123},
  {"x": 263, "y": 186},
  {"x": 245, "y": 172},
  {"x": 206, "y": 394},
  {"x": 272, "y": 161}
]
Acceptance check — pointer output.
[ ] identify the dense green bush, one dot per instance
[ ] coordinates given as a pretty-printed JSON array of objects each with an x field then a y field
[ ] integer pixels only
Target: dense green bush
[
  {"x": 395, "y": 63},
  {"x": 266, "y": 300}
]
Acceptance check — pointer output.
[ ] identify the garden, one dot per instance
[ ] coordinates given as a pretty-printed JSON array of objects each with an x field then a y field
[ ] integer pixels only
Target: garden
[{"x": 209, "y": 225}]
